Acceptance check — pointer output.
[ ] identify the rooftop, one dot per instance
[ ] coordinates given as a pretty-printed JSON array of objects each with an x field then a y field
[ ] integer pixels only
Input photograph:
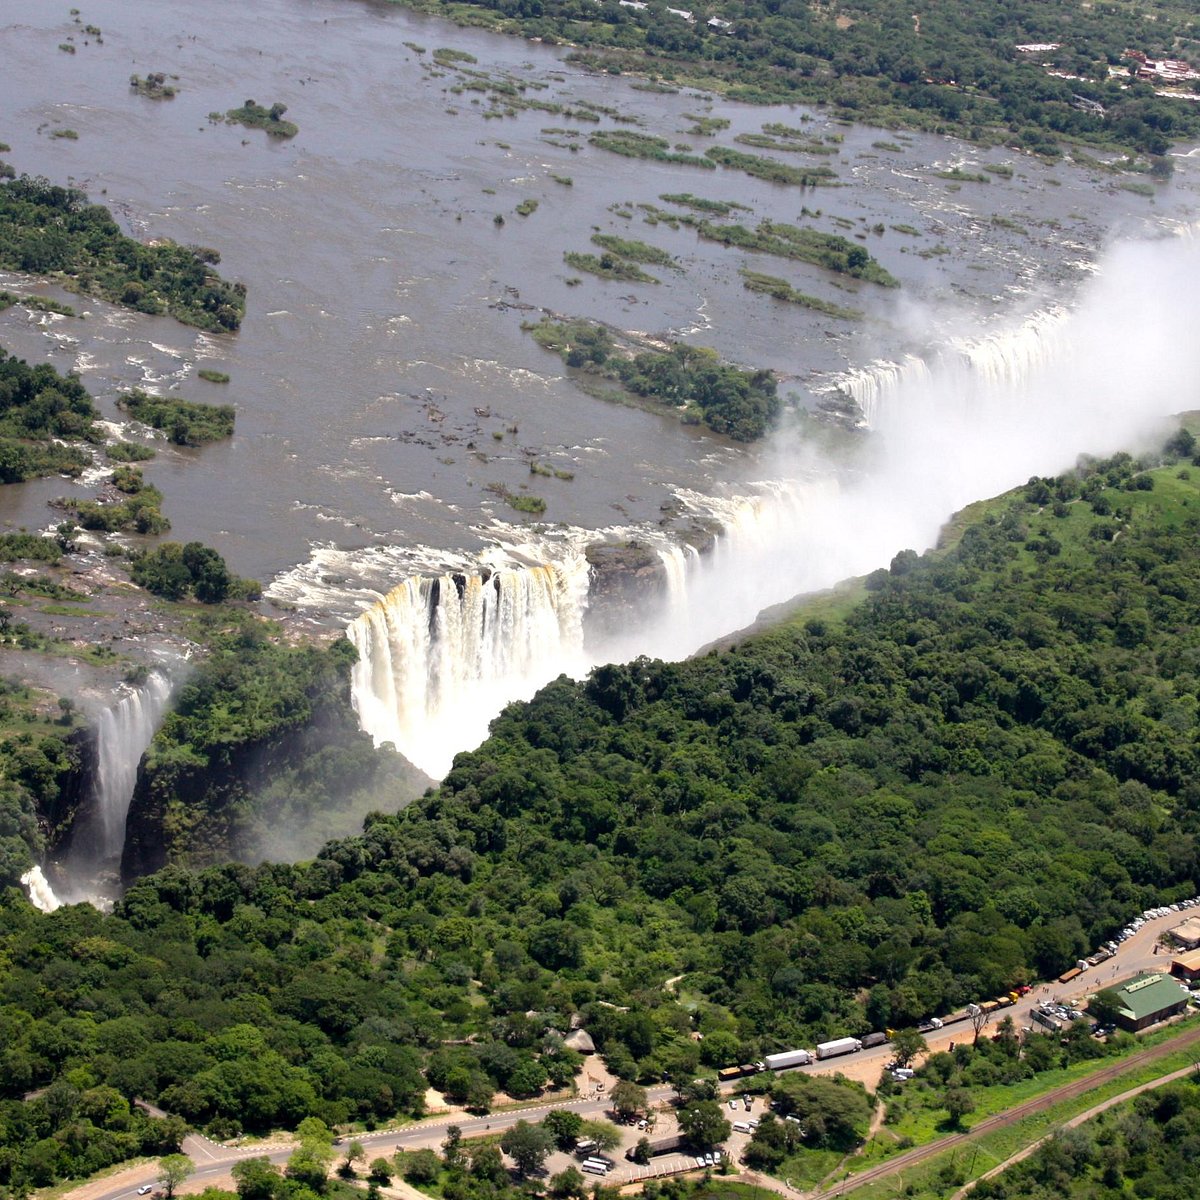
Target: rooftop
[
  {"x": 1148, "y": 994},
  {"x": 1187, "y": 931}
]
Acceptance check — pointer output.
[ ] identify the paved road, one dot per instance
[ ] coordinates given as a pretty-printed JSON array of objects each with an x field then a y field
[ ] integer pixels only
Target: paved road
[{"x": 213, "y": 1160}]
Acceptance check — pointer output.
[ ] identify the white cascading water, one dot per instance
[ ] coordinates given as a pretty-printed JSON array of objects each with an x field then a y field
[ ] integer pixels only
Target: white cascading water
[
  {"x": 973, "y": 420},
  {"x": 123, "y": 733},
  {"x": 41, "y": 894},
  {"x": 439, "y": 657}
]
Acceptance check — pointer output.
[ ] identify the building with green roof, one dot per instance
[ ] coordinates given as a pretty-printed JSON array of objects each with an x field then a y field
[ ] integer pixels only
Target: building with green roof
[{"x": 1149, "y": 998}]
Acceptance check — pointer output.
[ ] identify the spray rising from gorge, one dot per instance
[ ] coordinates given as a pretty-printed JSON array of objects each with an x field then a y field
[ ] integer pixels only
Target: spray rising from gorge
[{"x": 440, "y": 657}]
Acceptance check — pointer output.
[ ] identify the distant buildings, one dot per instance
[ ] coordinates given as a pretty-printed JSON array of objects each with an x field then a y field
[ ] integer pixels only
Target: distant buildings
[
  {"x": 1161, "y": 70},
  {"x": 1186, "y": 966},
  {"x": 1187, "y": 934}
]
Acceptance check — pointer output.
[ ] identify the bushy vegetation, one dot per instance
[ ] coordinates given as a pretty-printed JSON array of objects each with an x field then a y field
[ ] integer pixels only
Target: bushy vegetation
[
  {"x": 49, "y": 230},
  {"x": 154, "y": 85},
  {"x": 644, "y": 145},
  {"x": 769, "y": 168},
  {"x": 38, "y": 408},
  {"x": 608, "y": 266},
  {"x": 139, "y": 512},
  {"x": 255, "y": 116},
  {"x": 827, "y": 250},
  {"x": 721, "y": 208},
  {"x": 186, "y": 422},
  {"x": 632, "y": 249},
  {"x": 73, "y": 1131},
  {"x": 176, "y": 572},
  {"x": 780, "y": 289},
  {"x": 741, "y": 404}
]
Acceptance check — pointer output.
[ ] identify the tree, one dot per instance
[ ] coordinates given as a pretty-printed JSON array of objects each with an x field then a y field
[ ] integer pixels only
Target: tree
[
  {"x": 354, "y": 1151},
  {"x": 527, "y": 1145},
  {"x": 628, "y": 1100},
  {"x": 381, "y": 1171},
  {"x": 563, "y": 1126},
  {"x": 604, "y": 1133},
  {"x": 308, "y": 1165},
  {"x": 422, "y": 1167},
  {"x": 832, "y": 1113},
  {"x": 173, "y": 1169},
  {"x": 568, "y": 1183},
  {"x": 313, "y": 1129},
  {"x": 703, "y": 1124},
  {"x": 979, "y": 1019},
  {"x": 958, "y": 1103},
  {"x": 1105, "y": 1006},
  {"x": 907, "y": 1044},
  {"x": 452, "y": 1146},
  {"x": 256, "y": 1178},
  {"x": 641, "y": 1152}
]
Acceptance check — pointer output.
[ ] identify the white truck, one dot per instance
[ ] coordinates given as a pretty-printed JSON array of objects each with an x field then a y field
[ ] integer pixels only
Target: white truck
[
  {"x": 788, "y": 1058},
  {"x": 846, "y": 1045}
]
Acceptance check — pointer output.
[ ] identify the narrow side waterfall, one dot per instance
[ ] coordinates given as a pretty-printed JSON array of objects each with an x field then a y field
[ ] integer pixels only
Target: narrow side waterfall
[
  {"x": 123, "y": 732},
  {"x": 41, "y": 894},
  {"x": 439, "y": 657}
]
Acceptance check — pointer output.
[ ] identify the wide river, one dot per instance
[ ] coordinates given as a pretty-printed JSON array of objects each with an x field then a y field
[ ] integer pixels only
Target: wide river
[{"x": 386, "y": 392}]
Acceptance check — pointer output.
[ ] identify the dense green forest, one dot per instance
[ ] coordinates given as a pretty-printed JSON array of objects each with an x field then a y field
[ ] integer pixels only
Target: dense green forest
[
  {"x": 951, "y": 67},
  {"x": 51, "y": 230},
  {"x": 1147, "y": 1147},
  {"x": 855, "y": 821},
  {"x": 39, "y": 409}
]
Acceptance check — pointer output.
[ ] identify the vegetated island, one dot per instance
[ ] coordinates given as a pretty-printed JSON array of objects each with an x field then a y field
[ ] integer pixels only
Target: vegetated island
[
  {"x": 153, "y": 86},
  {"x": 54, "y": 231},
  {"x": 44, "y": 418},
  {"x": 186, "y": 422},
  {"x": 255, "y": 116},
  {"x": 741, "y": 404},
  {"x": 780, "y": 289},
  {"x": 828, "y": 250}
]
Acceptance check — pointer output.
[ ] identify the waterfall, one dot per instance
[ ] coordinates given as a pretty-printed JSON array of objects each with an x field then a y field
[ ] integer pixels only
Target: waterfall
[
  {"x": 969, "y": 420},
  {"x": 41, "y": 895},
  {"x": 440, "y": 656},
  {"x": 123, "y": 733},
  {"x": 1000, "y": 360}
]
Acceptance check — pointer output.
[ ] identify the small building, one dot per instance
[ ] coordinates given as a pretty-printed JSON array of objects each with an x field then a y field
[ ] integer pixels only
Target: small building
[
  {"x": 1148, "y": 999},
  {"x": 1186, "y": 966},
  {"x": 1187, "y": 935}
]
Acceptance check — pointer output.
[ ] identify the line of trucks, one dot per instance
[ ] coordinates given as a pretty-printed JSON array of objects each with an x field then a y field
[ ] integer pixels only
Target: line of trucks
[{"x": 851, "y": 1045}]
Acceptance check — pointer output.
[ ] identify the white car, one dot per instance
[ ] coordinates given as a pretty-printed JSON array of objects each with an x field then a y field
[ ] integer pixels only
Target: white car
[
  {"x": 145, "y": 1189},
  {"x": 733, "y": 1104}
]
